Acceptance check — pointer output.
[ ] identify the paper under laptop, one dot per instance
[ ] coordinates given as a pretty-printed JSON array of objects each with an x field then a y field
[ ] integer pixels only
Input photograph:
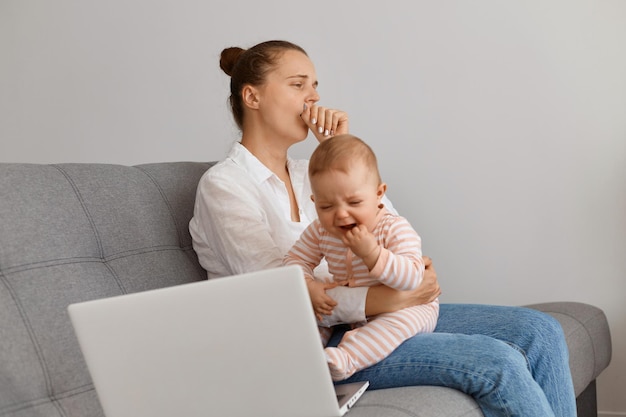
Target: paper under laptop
[{"x": 245, "y": 345}]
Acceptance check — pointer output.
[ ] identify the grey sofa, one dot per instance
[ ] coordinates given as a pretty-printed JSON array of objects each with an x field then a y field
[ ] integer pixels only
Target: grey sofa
[{"x": 75, "y": 232}]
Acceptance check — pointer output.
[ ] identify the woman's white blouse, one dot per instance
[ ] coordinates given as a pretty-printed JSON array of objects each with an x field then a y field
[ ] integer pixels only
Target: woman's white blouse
[{"x": 242, "y": 223}]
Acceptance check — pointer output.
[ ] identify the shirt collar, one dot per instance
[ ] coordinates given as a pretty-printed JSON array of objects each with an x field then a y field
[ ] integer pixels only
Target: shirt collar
[
  {"x": 250, "y": 163},
  {"x": 243, "y": 158}
]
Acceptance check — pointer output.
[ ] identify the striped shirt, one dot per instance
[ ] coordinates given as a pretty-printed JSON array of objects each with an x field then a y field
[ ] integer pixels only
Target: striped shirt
[{"x": 399, "y": 266}]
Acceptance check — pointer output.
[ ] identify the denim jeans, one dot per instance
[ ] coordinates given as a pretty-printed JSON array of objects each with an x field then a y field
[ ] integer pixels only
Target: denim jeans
[{"x": 512, "y": 360}]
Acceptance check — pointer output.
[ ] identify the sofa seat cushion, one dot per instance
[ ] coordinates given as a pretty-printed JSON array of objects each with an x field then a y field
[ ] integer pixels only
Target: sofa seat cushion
[{"x": 415, "y": 401}]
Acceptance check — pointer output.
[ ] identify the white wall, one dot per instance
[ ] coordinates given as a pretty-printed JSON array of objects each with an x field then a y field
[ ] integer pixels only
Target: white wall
[{"x": 500, "y": 126}]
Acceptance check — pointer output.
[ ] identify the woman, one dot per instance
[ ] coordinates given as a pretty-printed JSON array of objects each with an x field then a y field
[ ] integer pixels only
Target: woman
[{"x": 251, "y": 207}]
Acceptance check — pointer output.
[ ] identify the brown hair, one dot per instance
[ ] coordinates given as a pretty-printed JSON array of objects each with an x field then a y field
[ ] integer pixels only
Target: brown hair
[
  {"x": 250, "y": 67},
  {"x": 339, "y": 152}
]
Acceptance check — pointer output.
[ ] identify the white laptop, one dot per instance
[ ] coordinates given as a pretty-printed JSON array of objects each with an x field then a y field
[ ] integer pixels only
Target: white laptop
[{"x": 245, "y": 345}]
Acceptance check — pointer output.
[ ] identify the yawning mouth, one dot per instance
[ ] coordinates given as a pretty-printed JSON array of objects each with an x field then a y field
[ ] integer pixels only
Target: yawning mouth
[{"x": 348, "y": 226}]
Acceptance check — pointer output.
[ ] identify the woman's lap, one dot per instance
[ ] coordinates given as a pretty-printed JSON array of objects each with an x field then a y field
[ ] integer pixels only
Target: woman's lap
[
  {"x": 537, "y": 335},
  {"x": 502, "y": 356}
]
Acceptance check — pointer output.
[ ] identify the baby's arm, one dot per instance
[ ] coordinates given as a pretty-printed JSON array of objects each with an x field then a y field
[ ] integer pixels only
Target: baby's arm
[
  {"x": 303, "y": 255},
  {"x": 400, "y": 264}
]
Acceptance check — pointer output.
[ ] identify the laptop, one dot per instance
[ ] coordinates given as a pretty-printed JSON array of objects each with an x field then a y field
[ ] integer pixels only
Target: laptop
[{"x": 245, "y": 345}]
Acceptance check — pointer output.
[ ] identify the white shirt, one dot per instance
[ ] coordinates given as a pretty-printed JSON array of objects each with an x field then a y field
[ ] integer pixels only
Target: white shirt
[{"x": 242, "y": 223}]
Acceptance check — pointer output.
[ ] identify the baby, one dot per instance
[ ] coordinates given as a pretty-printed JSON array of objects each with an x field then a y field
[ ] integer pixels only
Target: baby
[{"x": 364, "y": 245}]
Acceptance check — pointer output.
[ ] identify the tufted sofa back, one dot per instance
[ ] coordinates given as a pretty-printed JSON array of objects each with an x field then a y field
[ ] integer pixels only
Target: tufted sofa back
[{"x": 76, "y": 232}]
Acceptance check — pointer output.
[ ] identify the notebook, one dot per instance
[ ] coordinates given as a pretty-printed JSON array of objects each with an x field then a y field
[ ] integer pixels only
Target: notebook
[{"x": 245, "y": 345}]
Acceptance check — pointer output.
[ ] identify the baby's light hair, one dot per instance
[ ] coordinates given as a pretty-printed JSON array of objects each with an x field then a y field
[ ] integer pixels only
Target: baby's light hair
[{"x": 339, "y": 153}]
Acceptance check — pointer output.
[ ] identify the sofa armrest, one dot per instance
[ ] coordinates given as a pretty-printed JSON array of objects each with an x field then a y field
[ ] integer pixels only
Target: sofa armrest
[{"x": 588, "y": 338}]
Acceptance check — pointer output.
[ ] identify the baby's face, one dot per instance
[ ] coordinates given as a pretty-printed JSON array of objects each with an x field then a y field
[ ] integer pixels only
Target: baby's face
[{"x": 346, "y": 199}]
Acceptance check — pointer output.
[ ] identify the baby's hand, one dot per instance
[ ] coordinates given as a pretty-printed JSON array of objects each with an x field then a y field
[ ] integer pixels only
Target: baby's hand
[
  {"x": 322, "y": 303},
  {"x": 361, "y": 241}
]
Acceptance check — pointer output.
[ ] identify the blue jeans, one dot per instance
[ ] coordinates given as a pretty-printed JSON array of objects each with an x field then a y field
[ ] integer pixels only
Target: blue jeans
[{"x": 512, "y": 360}]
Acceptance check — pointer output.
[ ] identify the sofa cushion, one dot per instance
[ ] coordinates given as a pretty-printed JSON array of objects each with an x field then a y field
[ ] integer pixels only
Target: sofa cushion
[
  {"x": 415, "y": 401},
  {"x": 71, "y": 233}
]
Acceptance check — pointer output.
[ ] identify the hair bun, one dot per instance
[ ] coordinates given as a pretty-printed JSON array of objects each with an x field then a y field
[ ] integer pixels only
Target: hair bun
[{"x": 229, "y": 58}]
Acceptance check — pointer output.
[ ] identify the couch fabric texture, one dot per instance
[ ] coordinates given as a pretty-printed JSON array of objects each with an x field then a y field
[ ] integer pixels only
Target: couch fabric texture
[{"x": 76, "y": 232}]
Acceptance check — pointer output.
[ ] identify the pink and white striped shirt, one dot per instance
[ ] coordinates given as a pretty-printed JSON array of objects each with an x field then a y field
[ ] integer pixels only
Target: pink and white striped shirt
[{"x": 399, "y": 266}]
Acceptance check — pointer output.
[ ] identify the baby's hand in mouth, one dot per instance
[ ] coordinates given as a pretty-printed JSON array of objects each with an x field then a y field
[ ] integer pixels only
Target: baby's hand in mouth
[{"x": 360, "y": 240}]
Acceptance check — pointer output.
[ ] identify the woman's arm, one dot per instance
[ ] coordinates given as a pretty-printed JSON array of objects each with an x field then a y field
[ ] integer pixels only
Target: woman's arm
[{"x": 382, "y": 299}]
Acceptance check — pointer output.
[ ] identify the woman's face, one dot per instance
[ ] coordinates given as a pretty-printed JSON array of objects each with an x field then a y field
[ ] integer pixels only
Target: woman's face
[{"x": 291, "y": 85}]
